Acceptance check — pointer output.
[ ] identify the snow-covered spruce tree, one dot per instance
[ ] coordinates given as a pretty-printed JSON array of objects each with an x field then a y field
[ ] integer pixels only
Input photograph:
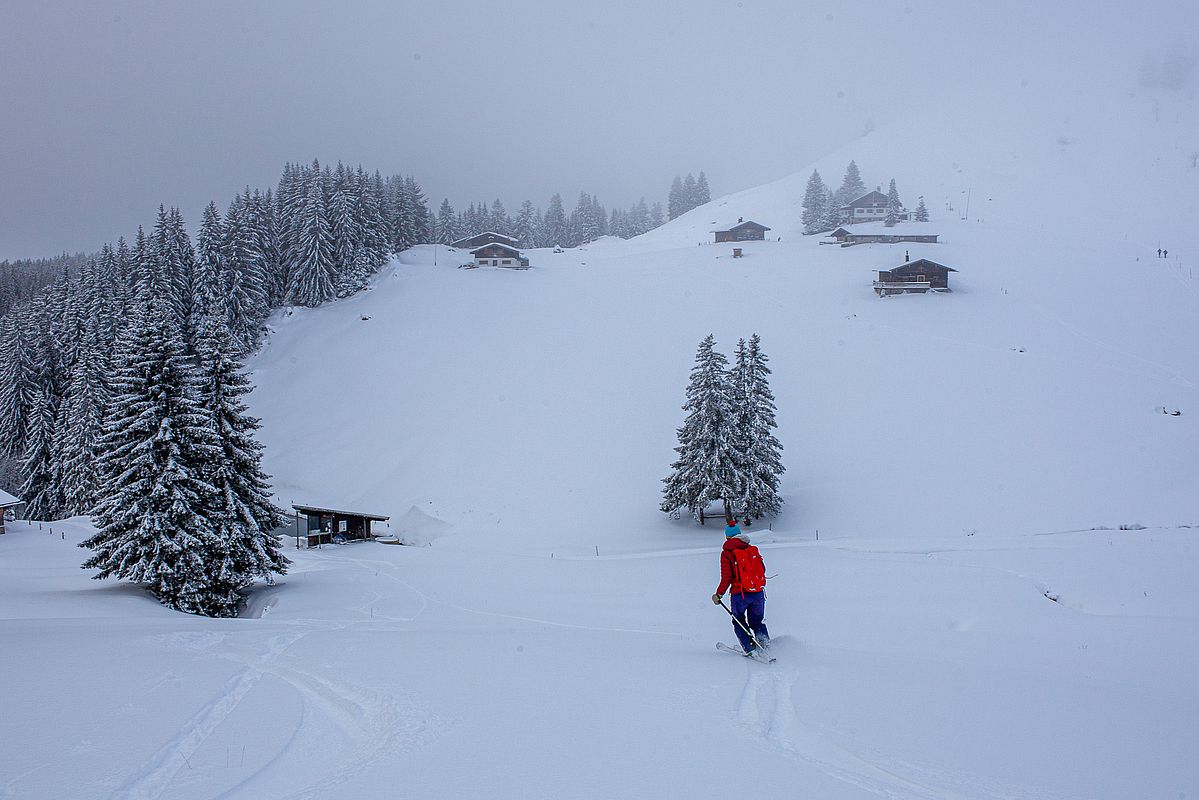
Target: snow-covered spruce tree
[
  {"x": 313, "y": 277},
  {"x": 852, "y": 186},
  {"x": 702, "y": 193},
  {"x": 245, "y": 284},
  {"x": 447, "y": 224},
  {"x": 241, "y": 514},
  {"x": 525, "y": 225},
  {"x": 554, "y": 225},
  {"x": 832, "y": 211},
  {"x": 921, "y": 211},
  {"x": 761, "y": 452},
  {"x": 82, "y": 423},
  {"x": 153, "y": 518},
  {"x": 674, "y": 199},
  {"x": 894, "y": 205},
  {"x": 814, "y": 204},
  {"x": 15, "y": 389},
  {"x": 210, "y": 298},
  {"x": 40, "y": 488},
  {"x": 706, "y": 468}
]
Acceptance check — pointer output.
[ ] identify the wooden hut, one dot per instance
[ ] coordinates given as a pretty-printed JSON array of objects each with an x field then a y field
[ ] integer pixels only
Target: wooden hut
[
  {"x": 877, "y": 233},
  {"x": 920, "y": 276},
  {"x": 9, "y": 507},
  {"x": 316, "y": 525},
  {"x": 480, "y": 239},
  {"x": 498, "y": 254},
  {"x": 743, "y": 231}
]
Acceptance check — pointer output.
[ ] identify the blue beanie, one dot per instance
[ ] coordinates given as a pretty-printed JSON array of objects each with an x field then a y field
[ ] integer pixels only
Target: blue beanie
[{"x": 732, "y": 530}]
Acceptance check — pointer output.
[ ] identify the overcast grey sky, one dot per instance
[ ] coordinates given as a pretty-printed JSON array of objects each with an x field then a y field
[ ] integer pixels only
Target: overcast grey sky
[{"x": 110, "y": 108}]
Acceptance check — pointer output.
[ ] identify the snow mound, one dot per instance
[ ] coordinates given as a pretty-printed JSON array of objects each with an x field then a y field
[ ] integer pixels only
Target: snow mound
[{"x": 416, "y": 528}]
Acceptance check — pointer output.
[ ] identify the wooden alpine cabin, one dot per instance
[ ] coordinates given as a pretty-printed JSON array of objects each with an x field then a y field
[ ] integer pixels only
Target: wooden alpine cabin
[
  {"x": 741, "y": 232},
  {"x": 499, "y": 255},
  {"x": 480, "y": 239},
  {"x": 918, "y": 276},
  {"x": 316, "y": 525},
  {"x": 9, "y": 507}
]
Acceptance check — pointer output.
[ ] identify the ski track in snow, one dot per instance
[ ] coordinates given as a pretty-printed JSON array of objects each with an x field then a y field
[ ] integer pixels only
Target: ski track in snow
[
  {"x": 153, "y": 777},
  {"x": 372, "y": 722},
  {"x": 766, "y": 708}
]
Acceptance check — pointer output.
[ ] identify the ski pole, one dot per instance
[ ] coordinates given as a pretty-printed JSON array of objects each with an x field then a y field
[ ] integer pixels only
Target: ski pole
[{"x": 741, "y": 625}]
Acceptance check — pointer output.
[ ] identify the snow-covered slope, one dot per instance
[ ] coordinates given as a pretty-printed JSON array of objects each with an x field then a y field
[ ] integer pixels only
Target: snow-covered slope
[{"x": 971, "y": 623}]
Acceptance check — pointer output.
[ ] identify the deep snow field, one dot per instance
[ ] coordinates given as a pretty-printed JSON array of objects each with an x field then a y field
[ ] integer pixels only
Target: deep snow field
[{"x": 1001, "y": 602}]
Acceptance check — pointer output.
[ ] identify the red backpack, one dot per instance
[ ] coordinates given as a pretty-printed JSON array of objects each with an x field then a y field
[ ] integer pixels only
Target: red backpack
[{"x": 750, "y": 571}]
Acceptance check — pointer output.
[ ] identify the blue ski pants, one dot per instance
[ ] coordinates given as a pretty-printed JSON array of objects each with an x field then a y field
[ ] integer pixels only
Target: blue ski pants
[{"x": 750, "y": 608}]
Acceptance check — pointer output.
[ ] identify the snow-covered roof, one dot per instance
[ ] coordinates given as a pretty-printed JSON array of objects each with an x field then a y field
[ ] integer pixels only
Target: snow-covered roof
[
  {"x": 860, "y": 201},
  {"x": 500, "y": 245},
  {"x": 7, "y": 499},
  {"x": 738, "y": 224},
  {"x": 503, "y": 236},
  {"x": 331, "y": 511},
  {"x": 920, "y": 263},
  {"x": 881, "y": 229}
]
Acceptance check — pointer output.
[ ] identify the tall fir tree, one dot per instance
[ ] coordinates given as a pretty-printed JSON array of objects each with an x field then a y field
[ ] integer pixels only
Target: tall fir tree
[
  {"x": 921, "y": 214},
  {"x": 815, "y": 209},
  {"x": 706, "y": 467},
  {"x": 82, "y": 423},
  {"x": 242, "y": 515},
  {"x": 555, "y": 223},
  {"x": 702, "y": 193},
  {"x": 852, "y": 186},
  {"x": 313, "y": 276},
  {"x": 676, "y": 201},
  {"x": 894, "y": 205},
  {"x": 153, "y": 519},
  {"x": 761, "y": 454}
]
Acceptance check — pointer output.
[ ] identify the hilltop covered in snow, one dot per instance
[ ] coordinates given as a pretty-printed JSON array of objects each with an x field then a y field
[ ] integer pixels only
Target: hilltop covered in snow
[{"x": 999, "y": 601}]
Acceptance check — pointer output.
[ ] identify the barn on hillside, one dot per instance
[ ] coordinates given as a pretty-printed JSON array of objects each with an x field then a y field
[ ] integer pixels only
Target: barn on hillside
[
  {"x": 742, "y": 231},
  {"x": 919, "y": 276}
]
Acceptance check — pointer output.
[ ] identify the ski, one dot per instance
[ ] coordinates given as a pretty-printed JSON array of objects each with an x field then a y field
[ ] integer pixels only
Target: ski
[{"x": 737, "y": 651}]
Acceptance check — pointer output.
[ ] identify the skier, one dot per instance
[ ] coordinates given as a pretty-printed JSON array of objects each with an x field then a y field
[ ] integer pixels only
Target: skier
[
  {"x": 1159, "y": 252},
  {"x": 741, "y": 570}
]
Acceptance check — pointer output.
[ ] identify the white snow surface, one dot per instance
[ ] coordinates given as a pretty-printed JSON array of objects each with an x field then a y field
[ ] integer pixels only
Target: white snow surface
[{"x": 1001, "y": 602}]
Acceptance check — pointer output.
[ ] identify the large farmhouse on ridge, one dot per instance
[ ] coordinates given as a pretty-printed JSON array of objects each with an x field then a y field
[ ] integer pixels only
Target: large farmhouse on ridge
[
  {"x": 480, "y": 239},
  {"x": 741, "y": 231},
  {"x": 919, "y": 276},
  {"x": 870, "y": 207}
]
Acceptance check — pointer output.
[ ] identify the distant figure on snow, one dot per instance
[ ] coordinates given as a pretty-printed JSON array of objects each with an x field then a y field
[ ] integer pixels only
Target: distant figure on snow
[
  {"x": 742, "y": 572},
  {"x": 1159, "y": 252},
  {"x": 1165, "y": 254}
]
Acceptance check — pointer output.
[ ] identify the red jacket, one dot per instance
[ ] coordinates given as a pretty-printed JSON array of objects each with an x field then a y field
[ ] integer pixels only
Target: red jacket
[{"x": 728, "y": 571}]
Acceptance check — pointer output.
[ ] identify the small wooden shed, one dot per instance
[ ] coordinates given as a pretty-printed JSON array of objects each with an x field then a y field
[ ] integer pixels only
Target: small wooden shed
[
  {"x": 317, "y": 525},
  {"x": 9, "y": 505},
  {"x": 920, "y": 276},
  {"x": 743, "y": 231}
]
